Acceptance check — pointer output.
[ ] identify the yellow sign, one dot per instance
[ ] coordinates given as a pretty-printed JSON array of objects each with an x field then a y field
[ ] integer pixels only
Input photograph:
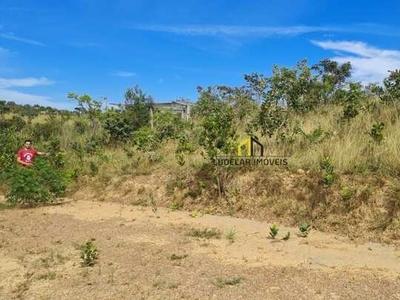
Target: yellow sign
[{"x": 246, "y": 147}]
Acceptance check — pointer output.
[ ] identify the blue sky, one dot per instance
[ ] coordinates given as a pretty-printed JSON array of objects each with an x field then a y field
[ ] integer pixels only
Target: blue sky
[{"x": 49, "y": 48}]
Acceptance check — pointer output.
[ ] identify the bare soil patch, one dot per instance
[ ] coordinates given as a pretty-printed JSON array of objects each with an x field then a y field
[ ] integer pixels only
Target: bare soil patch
[{"x": 146, "y": 253}]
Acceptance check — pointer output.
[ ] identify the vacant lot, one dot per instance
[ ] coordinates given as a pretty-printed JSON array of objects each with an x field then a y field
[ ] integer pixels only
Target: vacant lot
[{"x": 152, "y": 253}]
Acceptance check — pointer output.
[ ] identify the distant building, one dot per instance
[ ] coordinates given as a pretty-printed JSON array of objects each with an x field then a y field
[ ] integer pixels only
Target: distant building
[{"x": 179, "y": 107}]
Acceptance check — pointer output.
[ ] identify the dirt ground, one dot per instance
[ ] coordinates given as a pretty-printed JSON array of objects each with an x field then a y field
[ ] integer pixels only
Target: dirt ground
[{"x": 146, "y": 253}]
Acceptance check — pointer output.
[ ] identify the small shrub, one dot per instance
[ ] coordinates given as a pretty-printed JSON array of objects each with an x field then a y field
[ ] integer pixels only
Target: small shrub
[
  {"x": 175, "y": 206},
  {"x": 89, "y": 253},
  {"x": 94, "y": 168},
  {"x": 145, "y": 139},
  {"x": 376, "y": 132},
  {"x": 329, "y": 176},
  {"x": 304, "y": 229},
  {"x": 195, "y": 214},
  {"x": 207, "y": 233},
  {"x": 231, "y": 235},
  {"x": 273, "y": 230},
  {"x": 34, "y": 185},
  {"x": 230, "y": 281}
]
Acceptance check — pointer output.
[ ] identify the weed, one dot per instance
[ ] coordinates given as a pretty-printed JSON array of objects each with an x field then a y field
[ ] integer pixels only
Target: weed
[
  {"x": 273, "y": 230},
  {"x": 177, "y": 256},
  {"x": 153, "y": 204},
  {"x": 89, "y": 253},
  {"x": 207, "y": 233},
  {"x": 304, "y": 229},
  {"x": 230, "y": 281},
  {"x": 175, "y": 206},
  {"x": 47, "y": 276},
  {"x": 196, "y": 214},
  {"x": 231, "y": 235},
  {"x": 346, "y": 194},
  {"x": 173, "y": 285},
  {"x": 329, "y": 177},
  {"x": 139, "y": 202}
]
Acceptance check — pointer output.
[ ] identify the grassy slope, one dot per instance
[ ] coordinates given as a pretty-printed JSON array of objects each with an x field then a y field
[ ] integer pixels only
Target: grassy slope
[{"x": 364, "y": 200}]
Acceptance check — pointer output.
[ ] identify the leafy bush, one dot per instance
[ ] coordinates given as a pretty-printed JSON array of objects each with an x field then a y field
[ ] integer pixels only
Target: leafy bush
[
  {"x": 116, "y": 124},
  {"x": 9, "y": 144},
  {"x": 376, "y": 132},
  {"x": 34, "y": 185},
  {"x": 184, "y": 147},
  {"x": 45, "y": 131},
  {"x": 271, "y": 118},
  {"x": 316, "y": 136},
  {"x": 329, "y": 177},
  {"x": 218, "y": 132},
  {"x": 15, "y": 124},
  {"x": 89, "y": 253},
  {"x": 80, "y": 126},
  {"x": 145, "y": 139},
  {"x": 167, "y": 125}
]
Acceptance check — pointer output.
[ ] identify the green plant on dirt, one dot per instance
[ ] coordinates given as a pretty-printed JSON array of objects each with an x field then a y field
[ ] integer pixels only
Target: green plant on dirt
[
  {"x": 177, "y": 256},
  {"x": 346, "y": 196},
  {"x": 273, "y": 231},
  {"x": 153, "y": 203},
  {"x": 34, "y": 185},
  {"x": 195, "y": 214},
  {"x": 229, "y": 281},
  {"x": 304, "y": 229},
  {"x": 175, "y": 206},
  {"x": 231, "y": 235},
  {"x": 207, "y": 233},
  {"x": 329, "y": 176},
  {"x": 376, "y": 132},
  {"x": 89, "y": 253}
]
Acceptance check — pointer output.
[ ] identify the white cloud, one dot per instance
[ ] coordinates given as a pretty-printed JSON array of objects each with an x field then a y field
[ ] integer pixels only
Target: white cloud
[
  {"x": 11, "y": 36},
  {"x": 370, "y": 64},
  {"x": 215, "y": 30},
  {"x": 24, "y": 82},
  {"x": 9, "y": 94},
  {"x": 265, "y": 31},
  {"x": 23, "y": 98},
  {"x": 123, "y": 74}
]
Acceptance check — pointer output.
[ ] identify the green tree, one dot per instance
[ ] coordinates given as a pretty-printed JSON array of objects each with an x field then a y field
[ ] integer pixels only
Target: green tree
[
  {"x": 392, "y": 87},
  {"x": 87, "y": 106},
  {"x": 218, "y": 133},
  {"x": 331, "y": 77},
  {"x": 137, "y": 107}
]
